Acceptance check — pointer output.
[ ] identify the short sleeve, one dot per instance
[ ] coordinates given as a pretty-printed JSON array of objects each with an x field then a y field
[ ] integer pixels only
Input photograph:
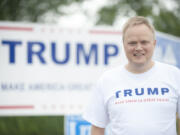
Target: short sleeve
[
  {"x": 178, "y": 91},
  {"x": 178, "y": 108},
  {"x": 96, "y": 113}
]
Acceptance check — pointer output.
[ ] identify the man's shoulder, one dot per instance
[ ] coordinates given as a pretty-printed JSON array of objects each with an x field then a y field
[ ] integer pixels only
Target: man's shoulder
[
  {"x": 168, "y": 67},
  {"x": 113, "y": 72}
]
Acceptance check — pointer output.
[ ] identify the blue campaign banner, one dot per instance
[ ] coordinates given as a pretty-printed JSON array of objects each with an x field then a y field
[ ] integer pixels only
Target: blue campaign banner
[
  {"x": 75, "y": 125},
  {"x": 167, "y": 49}
]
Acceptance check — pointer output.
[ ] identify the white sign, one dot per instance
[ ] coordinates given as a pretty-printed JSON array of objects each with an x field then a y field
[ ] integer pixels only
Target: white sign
[{"x": 48, "y": 70}]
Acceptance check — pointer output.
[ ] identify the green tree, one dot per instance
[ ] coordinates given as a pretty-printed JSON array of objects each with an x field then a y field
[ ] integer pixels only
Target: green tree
[
  {"x": 164, "y": 19},
  {"x": 31, "y": 10},
  {"x": 34, "y": 125}
]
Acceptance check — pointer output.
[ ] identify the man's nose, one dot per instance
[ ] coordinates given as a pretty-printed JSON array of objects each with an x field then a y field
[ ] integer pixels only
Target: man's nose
[{"x": 138, "y": 47}]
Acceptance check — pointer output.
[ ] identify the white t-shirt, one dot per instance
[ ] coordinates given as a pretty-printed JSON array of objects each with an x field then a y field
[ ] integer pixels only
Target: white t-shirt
[{"x": 137, "y": 104}]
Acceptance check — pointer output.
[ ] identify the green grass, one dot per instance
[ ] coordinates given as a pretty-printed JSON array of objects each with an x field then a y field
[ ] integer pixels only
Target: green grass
[{"x": 34, "y": 125}]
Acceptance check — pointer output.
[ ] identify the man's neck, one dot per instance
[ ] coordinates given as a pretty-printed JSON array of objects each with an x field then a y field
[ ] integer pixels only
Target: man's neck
[{"x": 137, "y": 69}]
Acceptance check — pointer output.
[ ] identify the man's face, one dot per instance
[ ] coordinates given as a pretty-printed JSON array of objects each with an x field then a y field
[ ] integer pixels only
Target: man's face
[{"x": 139, "y": 44}]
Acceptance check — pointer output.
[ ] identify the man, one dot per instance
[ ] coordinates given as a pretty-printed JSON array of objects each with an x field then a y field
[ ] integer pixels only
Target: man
[{"x": 141, "y": 97}]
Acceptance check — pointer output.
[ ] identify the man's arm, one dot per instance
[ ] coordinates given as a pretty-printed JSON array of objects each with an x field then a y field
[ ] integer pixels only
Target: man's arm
[
  {"x": 178, "y": 124},
  {"x": 96, "y": 130}
]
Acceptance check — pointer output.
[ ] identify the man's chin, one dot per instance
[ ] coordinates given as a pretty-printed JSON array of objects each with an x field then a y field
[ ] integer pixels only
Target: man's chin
[{"x": 139, "y": 63}]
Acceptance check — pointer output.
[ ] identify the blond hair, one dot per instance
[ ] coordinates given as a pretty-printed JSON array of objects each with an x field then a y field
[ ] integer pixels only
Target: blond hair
[{"x": 137, "y": 20}]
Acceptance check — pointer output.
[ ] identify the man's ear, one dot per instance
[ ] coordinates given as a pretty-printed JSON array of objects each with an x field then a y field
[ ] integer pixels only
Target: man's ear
[{"x": 154, "y": 43}]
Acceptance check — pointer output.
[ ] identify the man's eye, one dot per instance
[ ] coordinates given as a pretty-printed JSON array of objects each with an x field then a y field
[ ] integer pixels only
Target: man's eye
[
  {"x": 144, "y": 42},
  {"x": 132, "y": 43}
]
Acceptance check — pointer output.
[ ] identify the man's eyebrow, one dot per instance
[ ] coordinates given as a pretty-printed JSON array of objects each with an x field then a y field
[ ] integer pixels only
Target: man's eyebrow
[
  {"x": 145, "y": 40},
  {"x": 132, "y": 41}
]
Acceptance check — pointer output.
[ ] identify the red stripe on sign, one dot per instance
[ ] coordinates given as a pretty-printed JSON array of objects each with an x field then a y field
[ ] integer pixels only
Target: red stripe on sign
[
  {"x": 16, "y": 28},
  {"x": 17, "y": 107},
  {"x": 104, "y": 32}
]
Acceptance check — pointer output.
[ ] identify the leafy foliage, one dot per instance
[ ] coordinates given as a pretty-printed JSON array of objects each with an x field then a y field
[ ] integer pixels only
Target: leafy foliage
[
  {"x": 39, "y": 125},
  {"x": 30, "y": 10},
  {"x": 165, "y": 20}
]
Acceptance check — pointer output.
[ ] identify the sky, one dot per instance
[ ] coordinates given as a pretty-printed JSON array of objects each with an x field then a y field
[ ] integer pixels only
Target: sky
[
  {"x": 81, "y": 14},
  {"x": 84, "y": 14}
]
